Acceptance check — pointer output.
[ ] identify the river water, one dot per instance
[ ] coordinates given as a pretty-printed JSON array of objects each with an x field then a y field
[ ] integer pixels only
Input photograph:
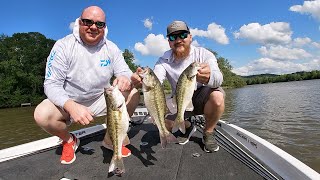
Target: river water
[{"x": 285, "y": 114}]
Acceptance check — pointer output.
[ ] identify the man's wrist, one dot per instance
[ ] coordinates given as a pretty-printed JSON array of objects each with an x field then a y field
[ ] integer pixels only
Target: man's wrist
[{"x": 67, "y": 105}]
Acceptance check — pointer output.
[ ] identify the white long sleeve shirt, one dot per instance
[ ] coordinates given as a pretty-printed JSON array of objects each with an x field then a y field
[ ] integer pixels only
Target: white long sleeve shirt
[
  {"x": 79, "y": 72},
  {"x": 167, "y": 67}
]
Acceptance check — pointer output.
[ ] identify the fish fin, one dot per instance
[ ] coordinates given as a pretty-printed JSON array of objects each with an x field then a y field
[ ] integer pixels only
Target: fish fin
[
  {"x": 126, "y": 141},
  {"x": 107, "y": 146},
  {"x": 191, "y": 77},
  {"x": 166, "y": 138},
  {"x": 150, "y": 87},
  {"x": 147, "y": 88},
  {"x": 179, "y": 125},
  {"x": 107, "y": 143},
  {"x": 163, "y": 141},
  {"x": 117, "y": 166},
  {"x": 190, "y": 106},
  {"x": 121, "y": 107}
]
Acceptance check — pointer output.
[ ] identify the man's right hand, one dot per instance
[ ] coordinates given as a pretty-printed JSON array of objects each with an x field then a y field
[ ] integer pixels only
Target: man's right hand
[
  {"x": 79, "y": 113},
  {"x": 136, "y": 79}
]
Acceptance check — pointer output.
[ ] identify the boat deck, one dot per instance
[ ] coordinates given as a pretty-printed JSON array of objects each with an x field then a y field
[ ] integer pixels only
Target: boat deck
[{"x": 175, "y": 162}]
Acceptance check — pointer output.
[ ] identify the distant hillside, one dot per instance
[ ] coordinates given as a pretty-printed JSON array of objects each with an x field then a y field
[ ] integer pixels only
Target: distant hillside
[
  {"x": 260, "y": 75},
  {"x": 273, "y": 78}
]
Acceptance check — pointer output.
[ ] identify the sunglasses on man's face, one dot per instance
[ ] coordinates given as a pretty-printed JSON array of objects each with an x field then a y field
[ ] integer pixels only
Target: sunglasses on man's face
[
  {"x": 89, "y": 23},
  {"x": 173, "y": 37}
]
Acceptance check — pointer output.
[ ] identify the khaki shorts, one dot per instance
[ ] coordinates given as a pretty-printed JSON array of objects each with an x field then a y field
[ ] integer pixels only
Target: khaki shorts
[{"x": 199, "y": 99}]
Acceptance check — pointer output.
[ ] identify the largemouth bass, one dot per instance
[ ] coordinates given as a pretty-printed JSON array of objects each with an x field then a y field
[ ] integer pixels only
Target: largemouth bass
[
  {"x": 117, "y": 121},
  {"x": 183, "y": 97},
  {"x": 155, "y": 102}
]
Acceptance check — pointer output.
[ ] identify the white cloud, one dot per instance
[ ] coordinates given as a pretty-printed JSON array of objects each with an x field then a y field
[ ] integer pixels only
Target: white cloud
[
  {"x": 315, "y": 44},
  {"x": 305, "y": 42},
  {"x": 148, "y": 23},
  {"x": 270, "y": 66},
  {"x": 308, "y": 7},
  {"x": 283, "y": 53},
  {"x": 301, "y": 41},
  {"x": 273, "y": 33},
  {"x": 214, "y": 31},
  {"x": 195, "y": 43},
  {"x": 154, "y": 45},
  {"x": 71, "y": 25}
]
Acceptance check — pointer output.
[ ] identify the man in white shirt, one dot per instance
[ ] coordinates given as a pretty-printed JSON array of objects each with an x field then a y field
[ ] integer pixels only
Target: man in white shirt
[
  {"x": 78, "y": 69},
  {"x": 208, "y": 99}
]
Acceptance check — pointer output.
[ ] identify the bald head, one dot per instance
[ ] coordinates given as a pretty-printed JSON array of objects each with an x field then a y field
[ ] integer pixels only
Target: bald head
[
  {"x": 90, "y": 32},
  {"x": 94, "y": 11}
]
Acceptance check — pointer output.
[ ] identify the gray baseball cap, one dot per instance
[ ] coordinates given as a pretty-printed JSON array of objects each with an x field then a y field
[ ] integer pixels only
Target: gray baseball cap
[{"x": 177, "y": 26}]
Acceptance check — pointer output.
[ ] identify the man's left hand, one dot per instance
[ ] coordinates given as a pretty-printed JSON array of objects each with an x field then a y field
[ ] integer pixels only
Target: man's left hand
[
  {"x": 203, "y": 75},
  {"x": 123, "y": 82}
]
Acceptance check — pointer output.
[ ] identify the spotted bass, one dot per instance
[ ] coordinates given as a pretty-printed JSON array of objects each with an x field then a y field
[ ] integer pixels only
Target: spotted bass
[
  {"x": 117, "y": 121},
  {"x": 155, "y": 102},
  {"x": 183, "y": 97}
]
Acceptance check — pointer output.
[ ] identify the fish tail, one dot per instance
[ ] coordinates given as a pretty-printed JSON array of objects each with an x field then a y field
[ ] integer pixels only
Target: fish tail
[
  {"x": 179, "y": 125},
  {"x": 167, "y": 138},
  {"x": 163, "y": 141},
  {"x": 117, "y": 166}
]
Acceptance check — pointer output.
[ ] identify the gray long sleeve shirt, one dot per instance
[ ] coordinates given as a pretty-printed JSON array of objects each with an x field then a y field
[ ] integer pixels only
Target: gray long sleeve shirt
[
  {"x": 79, "y": 72},
  {"x": 167, "y": 67}
]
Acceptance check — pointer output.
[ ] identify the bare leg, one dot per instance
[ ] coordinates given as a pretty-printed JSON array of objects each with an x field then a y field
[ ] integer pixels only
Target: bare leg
[
  {"x": 52, "y": 119},
  {"x": 213, "y": 110}
]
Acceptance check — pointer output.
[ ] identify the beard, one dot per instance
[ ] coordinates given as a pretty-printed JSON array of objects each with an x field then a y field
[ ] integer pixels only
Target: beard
[{"x": 181, "y": 52}]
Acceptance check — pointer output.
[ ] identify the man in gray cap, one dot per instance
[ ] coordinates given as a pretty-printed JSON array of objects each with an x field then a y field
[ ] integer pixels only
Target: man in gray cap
[{"x": 208, "y": 98}]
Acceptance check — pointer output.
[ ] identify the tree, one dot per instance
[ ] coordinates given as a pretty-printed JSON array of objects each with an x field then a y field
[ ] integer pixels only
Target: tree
[
  {"x": 230, "y": 79},
  {"x": 129, "y": 58},
  {"x": 22, "y": 63}
]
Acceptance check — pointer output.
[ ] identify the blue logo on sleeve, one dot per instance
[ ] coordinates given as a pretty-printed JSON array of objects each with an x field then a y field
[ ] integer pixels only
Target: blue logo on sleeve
[
  {"x": 50, "y": 63},
  {"x": 104, "y": 62}
]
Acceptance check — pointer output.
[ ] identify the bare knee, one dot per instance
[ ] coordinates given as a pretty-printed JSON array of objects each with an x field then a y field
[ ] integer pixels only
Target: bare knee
[
  {"x": 217, "y": 99},
  {"x": 40, "y": 113},
  {"x": 45, "y": 112}
]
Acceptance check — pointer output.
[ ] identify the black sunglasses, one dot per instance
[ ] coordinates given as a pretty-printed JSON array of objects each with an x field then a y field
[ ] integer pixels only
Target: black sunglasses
[
  {"x": 89, "y": 23},
  {"x": 173, "y": 37}
]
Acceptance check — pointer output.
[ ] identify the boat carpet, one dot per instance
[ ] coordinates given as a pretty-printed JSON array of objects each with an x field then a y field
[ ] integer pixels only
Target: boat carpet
[{"x": 148, "y": 161}]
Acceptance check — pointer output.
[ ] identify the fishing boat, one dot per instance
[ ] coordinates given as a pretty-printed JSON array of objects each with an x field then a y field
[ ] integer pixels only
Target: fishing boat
[{"x": 243, "y": 155}]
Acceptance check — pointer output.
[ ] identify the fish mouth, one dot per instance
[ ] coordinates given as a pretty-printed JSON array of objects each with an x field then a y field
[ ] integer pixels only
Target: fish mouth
[{"x": 144, "y": 72}]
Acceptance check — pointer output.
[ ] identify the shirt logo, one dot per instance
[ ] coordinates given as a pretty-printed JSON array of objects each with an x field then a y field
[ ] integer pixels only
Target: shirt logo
[
  {"x": 51, "y": 58},
  {"x": 104, "y": 62}
]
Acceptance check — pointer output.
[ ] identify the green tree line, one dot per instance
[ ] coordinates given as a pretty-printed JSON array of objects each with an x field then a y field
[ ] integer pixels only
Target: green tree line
[
  {"x": 272, "y": 78},
  {"x": 23, "y": 59}
]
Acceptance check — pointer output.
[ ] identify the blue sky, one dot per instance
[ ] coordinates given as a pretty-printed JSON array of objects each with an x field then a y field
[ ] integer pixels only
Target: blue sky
[{"x": 274, "y": 36}]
